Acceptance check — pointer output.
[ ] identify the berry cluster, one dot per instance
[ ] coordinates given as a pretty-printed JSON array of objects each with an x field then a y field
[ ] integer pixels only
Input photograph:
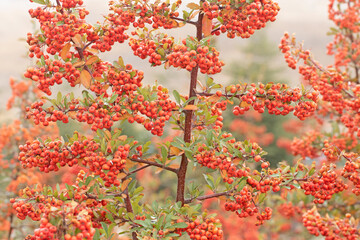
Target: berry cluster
[
  {"x": 46, "y": 231},
  {"x": 323, "y": 186},
  {"x": 351, "y": 171},
  {"x": 155, "y": 46},
  {"x": 244, "y": 206},
  {"x": 156, "y": 14},
  {"x": 188, "y": 57},
  {"x": 344, "y": 47},
  {"x": 226, "y": 160},
  {"x": 331, "y": 229},
  {"x": 50, "y": 156},
  {"x": 204, "y": 229},
  {"x": 288, "y": 210},
  {"x": 240, "y": 18},
  {"x": 277, "y": 98}
]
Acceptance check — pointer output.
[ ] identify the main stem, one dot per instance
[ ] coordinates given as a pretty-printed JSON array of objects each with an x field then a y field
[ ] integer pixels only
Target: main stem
[{"x": 180, "y": 195}]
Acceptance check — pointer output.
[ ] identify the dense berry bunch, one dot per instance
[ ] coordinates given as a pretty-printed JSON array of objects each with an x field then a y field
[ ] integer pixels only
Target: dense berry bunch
[
  {"x": 156, "y": 14},
  {"x": 154, "y": 46},
  {"x": 331, "y": 229},
  {"x": 351, "y": 171},
  {"x": 50, "y": 156},
  {"x": 226, "y": 160},
  {"x": 323, "y": 186},
  {"x": 240, "y": 18},
  {"x": 207, "y": 58},
  {"x": 277, "y": 98},
  {"x": 204, "y": 229}
]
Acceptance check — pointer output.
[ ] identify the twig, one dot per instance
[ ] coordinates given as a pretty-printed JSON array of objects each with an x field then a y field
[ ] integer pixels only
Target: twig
[
  {"x": 205, "y": 197},
  {"x": 154, "y": 164}
]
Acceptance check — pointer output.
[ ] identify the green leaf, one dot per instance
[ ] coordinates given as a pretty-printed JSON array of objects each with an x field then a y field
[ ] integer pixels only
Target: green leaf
[
  {"x": 242, "y": 183},
  {"x": 262, "y": 197},
  {"x": 176, "y": 96},
  {"x": 180, "y": 225},
  {"x": 164, "y": 153},
  {"x": 39, "y": 1},
  {"x": 286, "y": 169},
  {"x": 59, "y": 97},
  {"x": 96, "y": 235},
  {"x": 105, "y": 227},
  {"x": 146, "y": 146},
  {"x": 113, "y": 98},
  {"x": 210, "y": 180},
  {"x": 312, "y": 171}
]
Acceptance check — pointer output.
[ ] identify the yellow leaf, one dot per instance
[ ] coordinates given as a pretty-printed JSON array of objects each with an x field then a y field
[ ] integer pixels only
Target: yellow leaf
[
  {"x": 176, "y": 151},
  {"x": 121, "y": 62},
  {"x": 222, "y": 198},
  {"x": 194, "y": 14},
  {"x": 65, "y": 50},
  {"x": 159, "y": 170},
  {"x": 223, "y": 174},
  {"x": 213, "y": 98},
  {"x": 206, "y": 26},
  {"x": 107, "y": 134},
  {"x": 72, "y": 114},
  {"x": 91, "y": 60},
  {"x": 174, "y": 166},
  {"x": 85, "y": 78},
  {"x": 121, "y": 175},
  {"x": 125, "y": 116},
  {"x": 190, "y": 107},
  {"x": 124, "y": 184},
  {"x": 93, "y": 50},
  {"x": 106, "y": 86},
  {"x": 244, "y": 104},
  {"x": 77, "y": 40},
  {"x": 236, "y": 160},
  {"x": 193, "y": 6},
  {"x": 122, "y": 137},
  {"x": 78, "y": 64},
  {"x": 89, "y": 201},
  {"x": 129, "y": 164}
]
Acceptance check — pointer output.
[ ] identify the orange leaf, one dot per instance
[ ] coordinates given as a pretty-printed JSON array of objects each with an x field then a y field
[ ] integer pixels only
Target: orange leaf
[
  {"x": 92, "y": 60},
  {"x": 77, "y": 40},
  {"x": 194, "y": 14},
  {"x": 122, "y": 138},
  {"x": 107, "y": 134},
  {"x": 213, "y": 98},
  {"x": 193, "y": 6},
  {"x": 190, "y": 107},
  {"x": 176, "y": 151},
  {"x": 125, "y": 116},
  {"x": 85, "y": 78},
  {"x": 244, "y": 104},
  {"x": 130, "y": 164},
  {"x": 206, "y": 26},
  {"x": 65, "y": 50},
  {"x": 125, "y": 184},
  {"x": 78, "y": 64},
  {"x": 72, "y": 114},
  {"x": 121, "y": 175},
  {"x": 93, "y": 50},
  {"x": 174, "y": 166}
]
